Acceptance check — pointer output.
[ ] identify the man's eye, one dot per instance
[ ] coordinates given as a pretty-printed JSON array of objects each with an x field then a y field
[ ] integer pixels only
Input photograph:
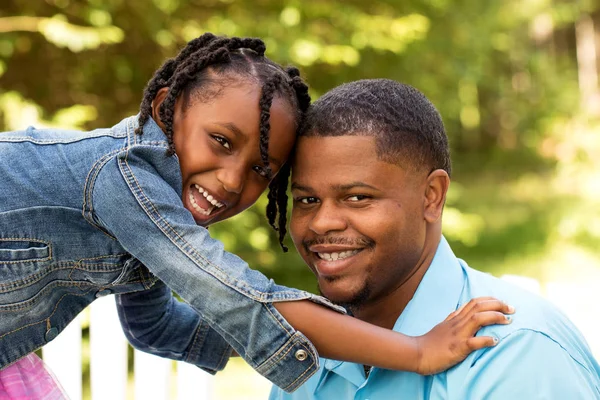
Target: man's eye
[
  {"x": 358, "y": 197},
  {"x": 223, "y": 142},
  {"x": 307, "y": 200}
]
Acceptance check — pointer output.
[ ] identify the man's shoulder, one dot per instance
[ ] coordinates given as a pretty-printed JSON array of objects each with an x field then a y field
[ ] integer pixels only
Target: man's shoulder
[
  {"x": 535, "y": 320},
  {"x": 533, "y": 312}
]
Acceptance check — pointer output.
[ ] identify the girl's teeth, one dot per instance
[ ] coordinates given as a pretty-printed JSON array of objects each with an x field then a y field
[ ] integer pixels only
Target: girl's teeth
[
  {"x": 198, "y": 208},
  {"x": 208, "y": 197}
]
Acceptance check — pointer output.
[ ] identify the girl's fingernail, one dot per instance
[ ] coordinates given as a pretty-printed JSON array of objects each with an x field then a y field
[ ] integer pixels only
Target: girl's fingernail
[
  {"x": 508, "y": 318},
  {"x": 495, "y": 340},
  {"x": 511, "y": 309}
]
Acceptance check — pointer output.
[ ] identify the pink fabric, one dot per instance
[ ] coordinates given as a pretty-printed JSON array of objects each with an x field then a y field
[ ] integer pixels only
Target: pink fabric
[{"x": 29, "y": 379}]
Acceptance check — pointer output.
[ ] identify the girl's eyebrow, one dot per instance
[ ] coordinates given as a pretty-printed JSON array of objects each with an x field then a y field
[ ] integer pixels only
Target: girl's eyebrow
[
  {"x": 237, "y": 132},
  {"x": 232, "y": 128}
]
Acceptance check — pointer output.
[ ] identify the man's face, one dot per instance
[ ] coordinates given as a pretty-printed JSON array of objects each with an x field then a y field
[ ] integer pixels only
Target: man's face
[{"x": 357, "y": 221}]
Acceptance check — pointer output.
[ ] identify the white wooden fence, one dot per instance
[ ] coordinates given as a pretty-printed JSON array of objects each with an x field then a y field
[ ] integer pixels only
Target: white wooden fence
[{"x": 154, "y": 378}]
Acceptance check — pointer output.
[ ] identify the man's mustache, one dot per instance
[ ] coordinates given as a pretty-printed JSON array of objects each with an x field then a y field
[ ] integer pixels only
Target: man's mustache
[{"x": 346, "y": 241}]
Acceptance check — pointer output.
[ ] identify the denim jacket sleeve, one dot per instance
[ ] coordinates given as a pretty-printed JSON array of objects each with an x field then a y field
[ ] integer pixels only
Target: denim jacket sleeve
[
  {"x": 136, "y": 199},
  {"x": 157, "y": 323}
]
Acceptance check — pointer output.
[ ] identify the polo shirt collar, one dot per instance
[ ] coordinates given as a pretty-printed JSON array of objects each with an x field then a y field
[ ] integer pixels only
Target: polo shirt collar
[{"x": 436, "y": 297}]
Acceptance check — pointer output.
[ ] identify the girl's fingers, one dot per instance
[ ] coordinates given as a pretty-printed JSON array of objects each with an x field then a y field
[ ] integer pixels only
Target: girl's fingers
[
  {"x": 473, "y": 303},
  {"x": 479, "y": 342},
  {"x": 486, "y": 304},
  {"x": 485, "y": 318},
  {"x": 466, "y": 307}
]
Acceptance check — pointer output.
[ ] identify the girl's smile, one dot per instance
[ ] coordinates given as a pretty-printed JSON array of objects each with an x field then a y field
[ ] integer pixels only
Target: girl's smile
[
  {"x": 202, "y": 201},
  {"x": 217, "y": 144}
]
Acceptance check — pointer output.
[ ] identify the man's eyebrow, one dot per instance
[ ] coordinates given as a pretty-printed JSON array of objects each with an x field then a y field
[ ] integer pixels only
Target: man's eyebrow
[
  {"x": 296, "y": 186},
  {"x": 353, "y": 185},
  {"x": 339, "y": 188}
]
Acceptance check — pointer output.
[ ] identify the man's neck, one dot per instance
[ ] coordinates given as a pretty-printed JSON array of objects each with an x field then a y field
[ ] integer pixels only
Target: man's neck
[{"x": 385, "y": 311}]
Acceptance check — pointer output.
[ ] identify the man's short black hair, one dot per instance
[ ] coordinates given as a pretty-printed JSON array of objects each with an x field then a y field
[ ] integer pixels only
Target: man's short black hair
[{"x": 408, "y": 128}]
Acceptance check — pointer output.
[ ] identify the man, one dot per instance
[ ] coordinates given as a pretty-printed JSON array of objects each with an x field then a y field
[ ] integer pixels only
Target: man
[{"x": 369, "y": 183}]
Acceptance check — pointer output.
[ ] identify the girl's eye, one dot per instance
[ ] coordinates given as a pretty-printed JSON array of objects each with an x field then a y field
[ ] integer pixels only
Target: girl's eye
[
  {"x": 223, "y": 142},
  {"x": 261, "y": 171}
]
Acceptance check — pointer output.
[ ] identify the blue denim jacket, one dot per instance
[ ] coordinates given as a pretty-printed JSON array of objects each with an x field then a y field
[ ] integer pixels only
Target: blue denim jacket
[{"x": 86, "y": 214}]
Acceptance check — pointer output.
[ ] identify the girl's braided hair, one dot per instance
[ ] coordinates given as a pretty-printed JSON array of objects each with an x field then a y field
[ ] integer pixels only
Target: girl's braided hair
[{"x": 195, "y": 68}]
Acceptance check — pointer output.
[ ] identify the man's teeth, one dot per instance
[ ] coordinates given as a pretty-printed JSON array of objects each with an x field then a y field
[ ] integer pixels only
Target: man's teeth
[
  {"x": 208, "y": 197},
  {"x": 337, "y": 256}
]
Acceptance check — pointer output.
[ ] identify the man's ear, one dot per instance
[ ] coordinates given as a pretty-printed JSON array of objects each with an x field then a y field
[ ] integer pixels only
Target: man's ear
[
  {"x": 156, "y": 103},
  {"x": 435, "y": 194}
]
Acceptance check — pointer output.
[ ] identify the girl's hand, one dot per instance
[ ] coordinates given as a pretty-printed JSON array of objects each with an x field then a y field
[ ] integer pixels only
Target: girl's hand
[{"x": 451, "y": 341}]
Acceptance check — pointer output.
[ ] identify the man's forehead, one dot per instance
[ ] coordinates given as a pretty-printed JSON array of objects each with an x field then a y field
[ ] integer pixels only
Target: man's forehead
[
  {"x": 308, "y": 147},
  {"x": 340, "y": 164}
]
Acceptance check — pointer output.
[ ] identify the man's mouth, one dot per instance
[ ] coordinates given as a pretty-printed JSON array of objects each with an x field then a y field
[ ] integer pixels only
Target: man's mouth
[
  {"x": 202, "y": 201},
  {"x": 333, "y": 262},
  {"x": 334, "y": 256}
]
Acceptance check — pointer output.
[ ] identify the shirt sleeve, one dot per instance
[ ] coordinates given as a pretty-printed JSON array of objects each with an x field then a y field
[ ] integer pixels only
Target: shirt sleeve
[
  {"x": 154, "y": 321},
  {"x": 529, "y": 365},
  {"x": 143, "y": 211}
]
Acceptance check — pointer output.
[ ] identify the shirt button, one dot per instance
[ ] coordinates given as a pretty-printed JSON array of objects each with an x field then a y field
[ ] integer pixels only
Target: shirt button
[
  {"x": 301, "y": 355},
  {"x": 103, "y": 293},
  {"x": 51, "y": 334}
]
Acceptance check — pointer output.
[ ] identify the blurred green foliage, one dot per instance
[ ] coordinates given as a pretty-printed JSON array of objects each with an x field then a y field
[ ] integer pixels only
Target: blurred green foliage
[{"x": 504, "y": 75}]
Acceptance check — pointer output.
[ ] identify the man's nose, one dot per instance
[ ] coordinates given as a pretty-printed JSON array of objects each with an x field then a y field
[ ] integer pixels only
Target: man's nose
[
  {"x": 327, "y": 218},
  {"x": 232, "y": 178}
]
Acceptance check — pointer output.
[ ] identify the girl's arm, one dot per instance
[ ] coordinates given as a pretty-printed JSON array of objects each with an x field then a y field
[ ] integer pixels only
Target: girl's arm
[{"x": 341, "y": 337}]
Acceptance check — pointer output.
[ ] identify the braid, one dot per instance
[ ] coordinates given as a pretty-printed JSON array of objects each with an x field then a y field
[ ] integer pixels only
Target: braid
[
  {"x": 189, "y": 70},
  {"x": 266, "y": 99},
  {"x": 177, "y": 73},
  {"x": 179, "y": 81},
  {"x": 163, "y": 74},
  {"x": 277, "y": 197}
]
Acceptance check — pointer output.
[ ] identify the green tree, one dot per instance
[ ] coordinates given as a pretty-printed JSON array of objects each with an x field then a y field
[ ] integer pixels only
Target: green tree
[{"x": 504, "y": 76}]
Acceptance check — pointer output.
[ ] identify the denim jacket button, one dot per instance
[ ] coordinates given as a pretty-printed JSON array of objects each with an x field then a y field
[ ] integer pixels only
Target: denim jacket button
[
  {"x": 103, "y": 293},
  {"x": 51, "y": 334},
  {"x": 301, "y": 355}
]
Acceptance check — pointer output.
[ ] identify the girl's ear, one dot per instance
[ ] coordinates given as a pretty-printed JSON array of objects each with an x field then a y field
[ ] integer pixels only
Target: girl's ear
[{"x": 156, "y": 103}]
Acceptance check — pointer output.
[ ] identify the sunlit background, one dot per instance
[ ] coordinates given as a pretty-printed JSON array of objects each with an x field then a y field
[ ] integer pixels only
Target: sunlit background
[{"x": 516, "y": 82}]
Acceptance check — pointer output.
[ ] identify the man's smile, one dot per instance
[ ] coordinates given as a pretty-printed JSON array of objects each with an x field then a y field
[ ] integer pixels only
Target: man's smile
[{"x": 333, "y": 259}]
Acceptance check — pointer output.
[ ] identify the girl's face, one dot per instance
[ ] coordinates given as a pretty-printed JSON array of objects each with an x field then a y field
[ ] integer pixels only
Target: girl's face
[{"x": 217, "y": 142}]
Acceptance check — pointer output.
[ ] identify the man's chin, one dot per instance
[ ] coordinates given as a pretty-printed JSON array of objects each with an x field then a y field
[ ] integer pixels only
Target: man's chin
[{"x": 350, "y": 300}]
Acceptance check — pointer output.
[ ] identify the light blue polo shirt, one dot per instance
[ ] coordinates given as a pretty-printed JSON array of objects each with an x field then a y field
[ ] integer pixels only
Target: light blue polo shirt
[{"x": 541, "y": 355}]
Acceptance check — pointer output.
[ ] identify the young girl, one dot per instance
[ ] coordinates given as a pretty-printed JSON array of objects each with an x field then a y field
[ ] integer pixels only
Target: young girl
[{"x": 124, "y": 211}]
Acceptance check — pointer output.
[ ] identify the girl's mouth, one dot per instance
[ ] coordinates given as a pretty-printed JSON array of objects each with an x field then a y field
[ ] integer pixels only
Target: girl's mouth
[{"x": 202, "y": 201}]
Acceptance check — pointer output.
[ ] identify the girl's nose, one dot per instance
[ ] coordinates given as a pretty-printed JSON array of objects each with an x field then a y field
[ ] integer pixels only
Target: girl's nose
[{"x": 232, "y": 179}]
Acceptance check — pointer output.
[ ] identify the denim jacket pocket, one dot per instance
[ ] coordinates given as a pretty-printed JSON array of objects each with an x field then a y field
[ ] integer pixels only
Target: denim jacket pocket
[{"x": 19, "y": 250}]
